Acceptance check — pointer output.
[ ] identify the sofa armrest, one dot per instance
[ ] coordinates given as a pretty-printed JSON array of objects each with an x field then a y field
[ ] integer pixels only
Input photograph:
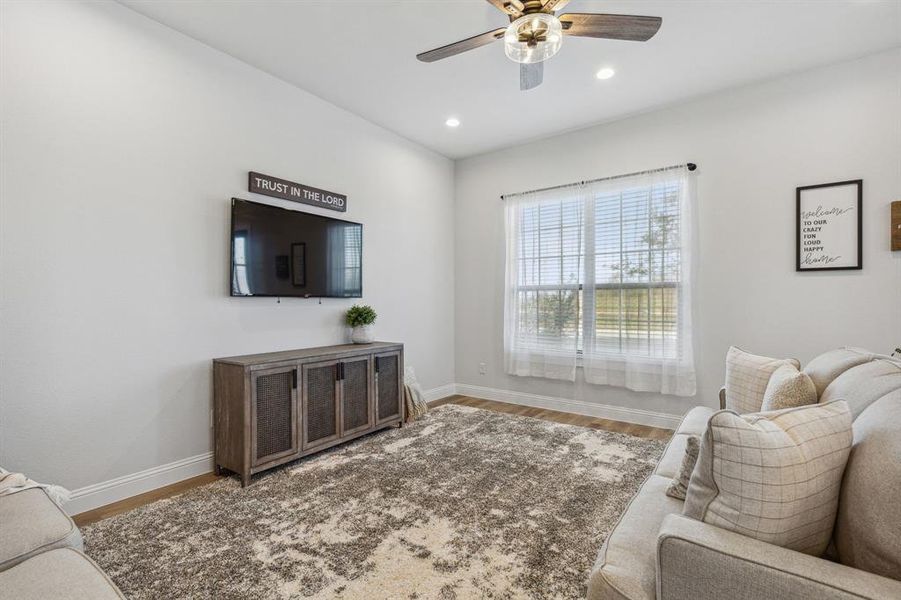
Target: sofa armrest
[
  {"x": 722, "y": 397},
  {"x": 698, "y": 561}
]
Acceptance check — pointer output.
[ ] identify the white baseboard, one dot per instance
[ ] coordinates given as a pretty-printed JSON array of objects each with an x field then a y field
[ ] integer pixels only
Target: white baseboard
[
  {"x": 578, "y": 407},
  {"x": 120, "y": 488},
  {"x": 440, "y": 392}
]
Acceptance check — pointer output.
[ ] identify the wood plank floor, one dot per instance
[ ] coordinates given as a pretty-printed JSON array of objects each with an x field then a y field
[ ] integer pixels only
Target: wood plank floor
[
  {"x": 110, "y": 510},
  {"x": 644, "y": 431}
]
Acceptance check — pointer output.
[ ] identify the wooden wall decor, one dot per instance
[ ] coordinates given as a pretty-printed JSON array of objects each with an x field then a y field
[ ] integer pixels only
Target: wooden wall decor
[
  {"x": 276, "y": 407},
  {"x": 896, "y": 226},
  {"x": 268, "y": 185}
]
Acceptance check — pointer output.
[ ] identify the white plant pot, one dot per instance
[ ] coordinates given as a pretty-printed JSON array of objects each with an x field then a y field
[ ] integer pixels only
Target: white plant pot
[{"x": 363, "y": 334}]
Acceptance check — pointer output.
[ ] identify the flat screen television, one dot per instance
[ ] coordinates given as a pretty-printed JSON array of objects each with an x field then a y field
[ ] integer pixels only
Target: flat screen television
[{"x": 280, "y": 252}]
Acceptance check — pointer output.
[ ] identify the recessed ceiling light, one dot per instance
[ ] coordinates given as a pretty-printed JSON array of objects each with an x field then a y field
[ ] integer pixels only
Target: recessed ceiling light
[
  {"x": 606, "y": 73},
  {"x": 452, "y": 122}
]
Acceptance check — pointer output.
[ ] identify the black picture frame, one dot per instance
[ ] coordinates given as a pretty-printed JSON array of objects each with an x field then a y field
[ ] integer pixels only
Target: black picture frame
[
  {"x": 299, "y": 264},
  {"x": 858, "y": 265}
]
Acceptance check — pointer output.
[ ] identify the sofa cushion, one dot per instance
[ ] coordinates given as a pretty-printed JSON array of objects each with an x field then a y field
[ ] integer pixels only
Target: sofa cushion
[
  {"x": 827, "y": 366},
  {"x": 61, "y": 574},
  {"x": 862, "y": 385},
  {"x": 868, "y": 526},
  {"x": 747, "y": 376},
  {"x": 615, "y": 574},
  {"x": 626, "y": 565},
  {"x": 788, "y": 387},
  {"x": 773, "y": 476},
  {"x": 31, "y": 523}
]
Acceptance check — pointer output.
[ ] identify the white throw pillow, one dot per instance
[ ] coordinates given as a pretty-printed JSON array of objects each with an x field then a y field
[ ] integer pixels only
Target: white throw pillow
[
  {"x": 747, "y": 376},
  {"x": 773, "y": 476},
  {"x": 788, "y": 387}
]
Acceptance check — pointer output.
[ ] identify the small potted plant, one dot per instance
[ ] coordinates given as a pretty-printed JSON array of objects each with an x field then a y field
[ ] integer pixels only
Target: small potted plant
[{"x": 361, "y": 318}]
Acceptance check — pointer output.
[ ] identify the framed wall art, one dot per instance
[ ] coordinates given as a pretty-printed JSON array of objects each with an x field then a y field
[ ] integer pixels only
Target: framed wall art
[{"x": 830, "y": 226}]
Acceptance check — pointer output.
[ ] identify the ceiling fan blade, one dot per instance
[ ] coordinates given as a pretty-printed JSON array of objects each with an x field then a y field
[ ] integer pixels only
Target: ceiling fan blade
[
  {"x": 530, "y": 75},
  {"x": 553, "y": 5},
  {"x": 462, "y": 46},
  {"x": 511, "y": 8},
  {"x": 611, "y": 27}
]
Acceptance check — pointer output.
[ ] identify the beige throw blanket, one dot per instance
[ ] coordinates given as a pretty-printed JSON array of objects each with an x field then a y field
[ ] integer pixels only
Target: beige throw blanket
[
  {"x": 415, "y": 403},
  {"x": 10, "y": 483}
]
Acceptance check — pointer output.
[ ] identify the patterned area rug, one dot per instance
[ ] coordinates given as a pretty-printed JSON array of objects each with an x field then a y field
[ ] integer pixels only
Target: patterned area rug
[{"x": 465, "y": 503}]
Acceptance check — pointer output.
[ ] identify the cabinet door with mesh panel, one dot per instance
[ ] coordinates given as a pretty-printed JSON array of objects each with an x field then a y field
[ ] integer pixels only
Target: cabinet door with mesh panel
[
  {"x": 273, "y": 409},
  {"x": 320, "y": 403},
  {"x": 389, "y": 389},
  {"x": 356, "y": 395}
]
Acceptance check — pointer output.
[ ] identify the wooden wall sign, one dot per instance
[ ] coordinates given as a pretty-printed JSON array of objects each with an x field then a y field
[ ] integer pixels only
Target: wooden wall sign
[
  {"x": 896, "y": 226},
  {"x": 296, "y": 192},
  {"x": 830, "y": 226}
]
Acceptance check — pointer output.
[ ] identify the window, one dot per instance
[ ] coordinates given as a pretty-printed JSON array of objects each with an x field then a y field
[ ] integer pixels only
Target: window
[
  {"x": 599, "y": 270},
  {"x": 637, "y": 271},
  {"x": 550, "y": 257}
]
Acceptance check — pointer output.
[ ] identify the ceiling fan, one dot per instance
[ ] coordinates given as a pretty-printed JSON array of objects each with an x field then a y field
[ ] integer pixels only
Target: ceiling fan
[{"x": 535, "y": 34}]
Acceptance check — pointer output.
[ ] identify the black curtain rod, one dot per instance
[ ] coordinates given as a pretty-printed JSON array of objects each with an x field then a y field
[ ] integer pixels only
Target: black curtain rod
[{"x": 691, "y": 167}]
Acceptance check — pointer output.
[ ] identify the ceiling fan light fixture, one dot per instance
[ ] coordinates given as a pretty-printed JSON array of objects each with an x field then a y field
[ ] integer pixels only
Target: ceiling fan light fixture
[{"x": 533, "y": 38}]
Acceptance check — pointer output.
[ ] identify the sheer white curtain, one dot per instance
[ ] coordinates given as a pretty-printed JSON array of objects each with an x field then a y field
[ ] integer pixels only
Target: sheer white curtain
[
  {"x": 602, "y": 272},
  {"x": 543, "y": 276},
  {"x": 638, "y": 261}
]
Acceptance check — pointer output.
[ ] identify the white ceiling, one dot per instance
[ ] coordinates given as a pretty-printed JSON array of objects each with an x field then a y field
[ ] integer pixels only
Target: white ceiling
[{"x": 360, "y": 55}]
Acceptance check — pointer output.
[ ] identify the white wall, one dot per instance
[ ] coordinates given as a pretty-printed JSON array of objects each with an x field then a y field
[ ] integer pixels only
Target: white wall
[
  {"x": 122, "y": 144},
  {"x": 754, "y": 146}
]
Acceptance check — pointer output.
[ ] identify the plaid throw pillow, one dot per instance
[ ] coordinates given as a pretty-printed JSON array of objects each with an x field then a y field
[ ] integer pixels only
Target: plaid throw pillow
[
  {"x": 773, "y": 476},
  {"x": 747, "y": 376}
]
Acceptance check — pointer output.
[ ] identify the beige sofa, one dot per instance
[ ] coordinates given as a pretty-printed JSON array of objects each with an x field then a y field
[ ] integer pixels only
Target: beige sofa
[
  {"x": 40, "y": 553},
  {"x": 655, "y": 552}
]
